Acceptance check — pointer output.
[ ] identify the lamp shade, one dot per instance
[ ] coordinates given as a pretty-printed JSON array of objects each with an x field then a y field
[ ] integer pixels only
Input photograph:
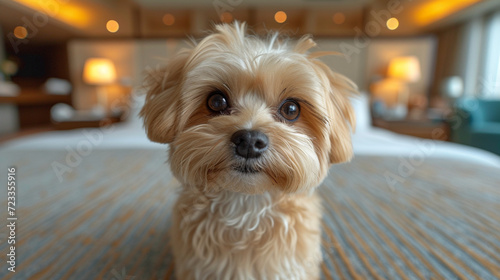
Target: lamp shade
[
  {"x": 388, "y": 91},
  {"x": 99, "y": 71},
  {"x": 406, "y": 68}
]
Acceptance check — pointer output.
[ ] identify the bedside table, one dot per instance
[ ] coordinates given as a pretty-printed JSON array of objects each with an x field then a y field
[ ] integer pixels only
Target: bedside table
[
  {"x": 33, "y": 106},
  {"x": 63, "y": 125},
  {"x": 75, "y": 123},
  {"x": 428, "y": 129}
]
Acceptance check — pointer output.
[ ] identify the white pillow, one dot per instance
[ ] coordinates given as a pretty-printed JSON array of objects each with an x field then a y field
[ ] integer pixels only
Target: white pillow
[
  {"x": 137, "y": 100},
  {"x": 361, "y": 105}
]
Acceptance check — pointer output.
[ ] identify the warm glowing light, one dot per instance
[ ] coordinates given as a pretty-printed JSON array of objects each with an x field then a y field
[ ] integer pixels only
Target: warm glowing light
[
  {"x": 112, "y": 26},
  {"x": 168, "y": 19},
  {"x": 20, "y": 32},
  {"x": 389, "y": 91},
  {"x": 338, "y": 18},
  {"x": 432, "y": 11},
  {"x": 99, "y": 71},
  {"x": 69, "y": 12},
  {"x": 392, "y": 23},
  {"x": 406, "y": 68},
  {"x": 9, "y": 67},
  {"x": 280, "y": 17},
  {"x": 226, "y": 17}
]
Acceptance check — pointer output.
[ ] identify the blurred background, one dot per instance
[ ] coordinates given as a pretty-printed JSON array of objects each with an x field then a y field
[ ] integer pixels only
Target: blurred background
[
  {"x": 422, "y": 64},
  {"x": 95, "y": 195}
]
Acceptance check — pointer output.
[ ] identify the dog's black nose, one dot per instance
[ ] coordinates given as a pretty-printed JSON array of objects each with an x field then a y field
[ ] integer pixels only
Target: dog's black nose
[{"x": 250, "y": 143}]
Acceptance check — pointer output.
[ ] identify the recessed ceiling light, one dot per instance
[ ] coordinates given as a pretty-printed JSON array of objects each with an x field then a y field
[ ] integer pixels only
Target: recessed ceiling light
[
  {"x": 112, "y": 26},
  {"x": 280, "y": 17},
  {"x": 338, "y": 18},
  {"x": 20, "y": 32},
  {"x": 226, "y": 17},
  {"x": 168, "y": 19},
  {"x": 392, "y": 23}
]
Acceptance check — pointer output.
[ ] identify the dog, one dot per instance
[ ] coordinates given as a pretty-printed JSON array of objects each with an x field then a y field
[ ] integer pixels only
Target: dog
[{"x": 253, "y": 125}]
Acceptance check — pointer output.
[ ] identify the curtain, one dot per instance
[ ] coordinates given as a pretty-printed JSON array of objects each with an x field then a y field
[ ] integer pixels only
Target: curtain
[
  {"x": 489, "y": 78},
  {"x": 471, "y": 50}
]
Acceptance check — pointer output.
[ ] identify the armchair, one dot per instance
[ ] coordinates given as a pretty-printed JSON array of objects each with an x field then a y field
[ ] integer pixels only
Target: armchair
[{"x": 476, "y": 122}]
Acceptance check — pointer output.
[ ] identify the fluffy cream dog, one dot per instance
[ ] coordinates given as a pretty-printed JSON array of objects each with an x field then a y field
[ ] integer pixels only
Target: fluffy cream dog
[{"x": 253, "y": 125}]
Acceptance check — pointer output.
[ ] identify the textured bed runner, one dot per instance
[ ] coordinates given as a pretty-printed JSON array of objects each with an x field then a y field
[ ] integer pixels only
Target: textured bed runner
[{"x": 384, "y": 218}]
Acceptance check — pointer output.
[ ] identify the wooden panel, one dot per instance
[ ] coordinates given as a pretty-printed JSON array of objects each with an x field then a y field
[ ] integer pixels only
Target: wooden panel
[
  {"x": 423, "y": 129},
  {"x": 36, "y": 99},
  {"x": 33, "y": 106},
  {"x": 86, "y": 123}
]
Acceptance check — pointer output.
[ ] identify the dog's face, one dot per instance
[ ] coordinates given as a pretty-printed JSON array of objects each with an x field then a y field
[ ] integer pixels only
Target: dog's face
[{"x": 250, "y": 115}]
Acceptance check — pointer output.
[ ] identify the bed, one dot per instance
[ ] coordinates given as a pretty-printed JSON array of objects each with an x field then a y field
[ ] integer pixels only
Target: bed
[{"x": 96, "y": 204}]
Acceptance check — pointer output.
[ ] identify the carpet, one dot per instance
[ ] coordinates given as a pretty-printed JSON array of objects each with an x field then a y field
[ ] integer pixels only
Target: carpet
[{"x": 385, "y": 218}]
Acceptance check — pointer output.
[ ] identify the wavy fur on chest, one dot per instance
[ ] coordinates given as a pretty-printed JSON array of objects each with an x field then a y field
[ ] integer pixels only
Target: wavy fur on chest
[{"x": 238, "y": 236}]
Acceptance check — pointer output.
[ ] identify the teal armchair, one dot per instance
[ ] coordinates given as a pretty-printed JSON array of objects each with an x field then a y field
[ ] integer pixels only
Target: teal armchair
[{"x": 476, "y": 122}]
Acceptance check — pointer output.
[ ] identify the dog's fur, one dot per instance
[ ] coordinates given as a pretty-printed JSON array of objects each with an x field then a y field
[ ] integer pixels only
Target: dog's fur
[{"x": 229, "y": 224}]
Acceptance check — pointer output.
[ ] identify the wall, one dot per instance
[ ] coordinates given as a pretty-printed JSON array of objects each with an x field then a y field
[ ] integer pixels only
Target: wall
[
  {"x": 134, "y": 58},
  {"x": 350, "y": 65},
  {"x": 153, "y": 54},
  {"x": 8, "y": 113},
  {"x": 2, "y": 46},
  {"x": 381, "y": 51},
  {"x": 122, "y": 53}
]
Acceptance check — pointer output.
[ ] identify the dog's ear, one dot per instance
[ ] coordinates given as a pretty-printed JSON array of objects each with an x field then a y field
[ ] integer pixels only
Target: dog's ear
[
  {"x": 338, "y": 90},
  {"x": 163, "y": 100},
  {"x": 341, "y": 116}
]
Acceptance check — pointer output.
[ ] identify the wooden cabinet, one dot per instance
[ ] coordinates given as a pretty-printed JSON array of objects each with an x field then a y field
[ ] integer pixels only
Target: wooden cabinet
[
  {"x": 429, "y": 129},
  {"x": 33, "y": 107},
  {"x": 87, "y": 122}
]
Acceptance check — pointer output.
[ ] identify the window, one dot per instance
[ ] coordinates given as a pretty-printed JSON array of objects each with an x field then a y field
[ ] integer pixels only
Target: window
[{"x": 489, "y": 79}]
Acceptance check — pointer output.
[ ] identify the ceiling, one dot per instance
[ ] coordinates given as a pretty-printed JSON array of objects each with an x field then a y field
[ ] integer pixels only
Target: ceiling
[
  {"x": 248, "y": 3},
  {"x": 57, "y": 21},
  {"x": 253, "y": 3}
]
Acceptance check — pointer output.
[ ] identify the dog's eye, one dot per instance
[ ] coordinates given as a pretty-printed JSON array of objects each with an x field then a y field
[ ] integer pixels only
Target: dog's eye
[
  {"x": 217, "y": 102},
  {"x": 290, "y": 110}
]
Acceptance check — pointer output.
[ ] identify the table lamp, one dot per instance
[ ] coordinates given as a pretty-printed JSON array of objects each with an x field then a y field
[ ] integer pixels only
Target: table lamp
[
  {"x": 405, "y": 69},
  {"x": 391, "y": 95},
  {"x": 99, "y": 72}
]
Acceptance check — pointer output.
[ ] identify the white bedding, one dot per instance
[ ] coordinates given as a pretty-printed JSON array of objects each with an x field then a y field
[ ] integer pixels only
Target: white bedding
[
  {"x": 371, "y": 142},
  {"x": 367, "y": 141},
  {"x": 380, "y": 142},
  {"x": 116, "y": 136}
]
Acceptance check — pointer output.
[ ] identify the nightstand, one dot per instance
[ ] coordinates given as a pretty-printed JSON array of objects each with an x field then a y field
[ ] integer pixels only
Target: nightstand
[
  {"x": 429, "y": 129},
  {"x": 63, "y": 125},
  {"x": 33, "y": 106},
  {"x": 75, "y": 123}
]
